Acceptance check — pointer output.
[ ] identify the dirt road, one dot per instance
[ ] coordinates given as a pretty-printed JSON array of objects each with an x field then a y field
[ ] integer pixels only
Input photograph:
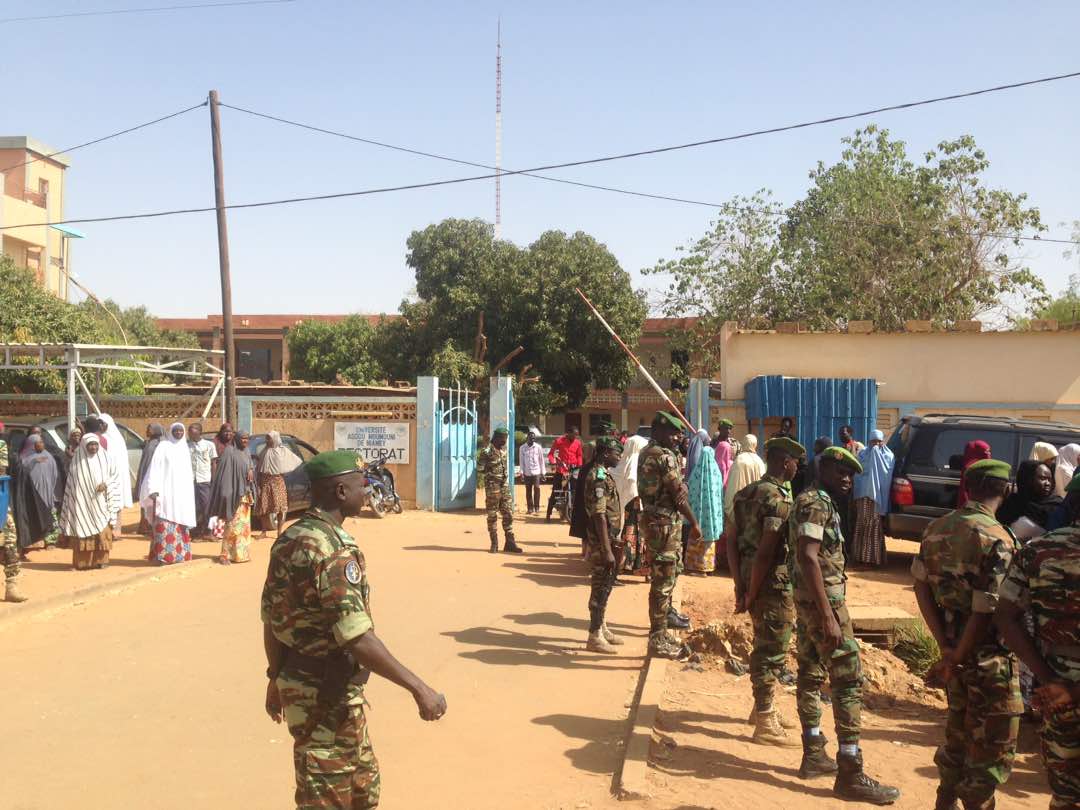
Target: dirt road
[{"x": 151, "y": 697}]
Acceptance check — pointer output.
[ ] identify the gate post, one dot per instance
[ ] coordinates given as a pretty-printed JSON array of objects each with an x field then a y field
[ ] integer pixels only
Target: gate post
[
  {"x": 501, "y": 414},
  {"x": 697, "y": 403},
  {"x": 427, "y": 400}
]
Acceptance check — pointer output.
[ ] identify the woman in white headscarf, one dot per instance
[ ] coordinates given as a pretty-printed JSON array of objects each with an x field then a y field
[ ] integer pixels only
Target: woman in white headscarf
[
  {"x": 625, "y": 477},
  {"x": 168, "y": 494},
  {"x": 748, "y": 468},
  {"x": 274, "y": 463},
  {"x": 1065, "y": 468},
  {"x": 1044, "y": 452},
  {"x": 90, "y": 501},
  {"x": 118, "y": 454}
]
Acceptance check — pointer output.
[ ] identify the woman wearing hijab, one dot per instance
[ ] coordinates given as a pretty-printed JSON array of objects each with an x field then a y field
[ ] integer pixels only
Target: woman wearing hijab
[
  {"x": 154, "y": 434},
  {"x": 224, "y": 439},
  {"x": 74, "y": 438},
  {"x": 117, "y": 450},
  {"x": 748, "y": 468},
  {"x": 90, "y": 501},
  {"x": 625, "y": 477},
  {"x": 699, "y": 443},
  {"x": 275, "y": 462},
  {"x": 871, "y": 495},
  {"x": 1065, "y": 468},
  {"x": 168, "y": 495},
  {"x": 28, "y": 442},
  {"x": 42, "y": 492},
  {"x": 1027, "y": 512},
  {"x": 231, "y": 497},
  {"x": 706, "y": 487},
  {"x": 1044, "y": 452},
  {"x": 973, "y": 451}
]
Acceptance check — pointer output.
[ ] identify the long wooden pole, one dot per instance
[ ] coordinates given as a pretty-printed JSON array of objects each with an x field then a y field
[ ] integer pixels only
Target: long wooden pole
[
  {"x": 223, "y": 261},
  {"x": 633, "y": 358}
]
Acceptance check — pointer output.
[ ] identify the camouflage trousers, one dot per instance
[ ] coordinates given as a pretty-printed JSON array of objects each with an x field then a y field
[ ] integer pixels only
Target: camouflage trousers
[
  {"x": 602, "y": 580},
  {"x": 9, "y": 552},
  {"x": 335, "y": 764},
  {"x": 981, "y": 730},
  {"x": 773, "y": 614},
  {"x": 842, "y": 666},
  {"x": 664, "y": 540},
  {"x": 497, "y": 502},
  {"x": 1060, "y": 736}
]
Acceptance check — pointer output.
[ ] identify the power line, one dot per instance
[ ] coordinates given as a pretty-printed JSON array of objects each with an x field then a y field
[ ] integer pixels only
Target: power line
[
  {"x": 106, "y": 137},
  {"x": 114, "y": 11},
  {"x": 590, "y": 161}
]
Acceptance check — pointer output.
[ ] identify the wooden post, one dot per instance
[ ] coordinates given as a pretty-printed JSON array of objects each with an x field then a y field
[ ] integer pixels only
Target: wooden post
[{"x": 229, "y": 402}]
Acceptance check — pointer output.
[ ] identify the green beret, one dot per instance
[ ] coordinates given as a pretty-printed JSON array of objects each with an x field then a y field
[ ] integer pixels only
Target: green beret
[
  {"x": 608, "y": 443},
  {"x": 989, "y": 468},
  {"x": 501, "y": 431},
  {"x": 726, "y": 423},
  {"x": 788, "y": 445},
  {"x": 332, "y": 463},
  {"x": 1074, "y": 484},
  {"x": 842, "y": 457},
  {"x": 671, "y": 419}
]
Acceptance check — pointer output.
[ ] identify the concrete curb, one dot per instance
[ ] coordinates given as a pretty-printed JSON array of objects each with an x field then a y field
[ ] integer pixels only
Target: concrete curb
[
  {"x": 630, "y": 782},
  {"x": 59, "y": 601}
]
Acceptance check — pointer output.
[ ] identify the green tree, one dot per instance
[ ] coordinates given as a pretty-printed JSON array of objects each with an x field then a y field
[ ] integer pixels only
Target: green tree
[
  {"x": 322, "y": 352},
  {"x": 1064, "y": 309}
]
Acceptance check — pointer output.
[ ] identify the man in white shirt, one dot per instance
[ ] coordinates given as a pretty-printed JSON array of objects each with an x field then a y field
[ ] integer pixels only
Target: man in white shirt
[
  {"x": 203, "y": 454},
  {"x": 533, "y": 466}
]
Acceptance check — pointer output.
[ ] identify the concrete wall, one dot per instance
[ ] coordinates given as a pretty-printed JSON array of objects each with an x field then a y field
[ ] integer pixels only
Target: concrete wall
[{"x": 17, "y": 211}]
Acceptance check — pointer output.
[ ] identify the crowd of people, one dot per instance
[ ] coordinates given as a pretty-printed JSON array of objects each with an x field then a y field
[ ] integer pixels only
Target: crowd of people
[{"x": 187, "y": 487}]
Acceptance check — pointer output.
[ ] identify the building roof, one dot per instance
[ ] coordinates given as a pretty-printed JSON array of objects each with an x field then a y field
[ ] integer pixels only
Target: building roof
[
  {"x": 256, "y": 321},
  {"x": 33, "y": 145}
]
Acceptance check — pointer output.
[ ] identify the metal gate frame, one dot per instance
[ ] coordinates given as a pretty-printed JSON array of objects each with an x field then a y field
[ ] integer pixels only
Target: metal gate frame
[{"x": 455, "y": 455}]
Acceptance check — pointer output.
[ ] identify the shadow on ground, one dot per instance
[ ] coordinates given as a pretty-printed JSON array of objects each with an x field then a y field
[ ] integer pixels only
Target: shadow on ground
[
  {"x": 602, "y": 738},
  {"x": 511, "y": 648}
]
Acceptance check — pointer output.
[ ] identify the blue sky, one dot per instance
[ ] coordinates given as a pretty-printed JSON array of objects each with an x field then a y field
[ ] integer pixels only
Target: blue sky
[{"x": 580, "y": 80}]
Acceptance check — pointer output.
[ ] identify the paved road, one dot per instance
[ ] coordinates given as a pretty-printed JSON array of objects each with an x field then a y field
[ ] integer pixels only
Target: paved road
[{"x": 152, "y": 697}]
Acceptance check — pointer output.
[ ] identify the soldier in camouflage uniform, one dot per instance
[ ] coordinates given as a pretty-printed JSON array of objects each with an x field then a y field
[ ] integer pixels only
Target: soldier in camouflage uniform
[
  {"x": 494, "y": 463},
  {"x": 826, "y": 640},
  {"x": 603, "y": 514},
  {"x": 664, "y": 504},
  {"x": 9, "y": 551},
  {"x": 1045, "y": 578},
  {"x": 758, "y": 561},
  {"x": 321, "y": 644},
  {"x": 959, "y": 568}
]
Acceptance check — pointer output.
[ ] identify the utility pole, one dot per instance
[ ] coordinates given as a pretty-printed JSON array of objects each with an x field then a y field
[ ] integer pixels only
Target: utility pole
[
  {"x": 223, "y": 262},
  {"x": 498, "y": 130}
]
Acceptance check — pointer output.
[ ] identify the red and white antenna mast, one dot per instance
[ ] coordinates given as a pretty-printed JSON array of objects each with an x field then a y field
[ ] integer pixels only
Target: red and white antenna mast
[{"x": 498, "y": 130}]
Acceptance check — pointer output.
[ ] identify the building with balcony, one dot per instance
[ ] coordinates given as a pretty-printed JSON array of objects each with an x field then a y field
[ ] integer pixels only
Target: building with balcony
[{"x": 32, "y": 179}]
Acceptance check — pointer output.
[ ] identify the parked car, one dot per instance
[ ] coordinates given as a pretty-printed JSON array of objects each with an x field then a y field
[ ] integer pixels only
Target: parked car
[
  {"x": 929, "y": 455},
  {"x": 55, "y": 431},
  {"x": 297, "y": 483}
]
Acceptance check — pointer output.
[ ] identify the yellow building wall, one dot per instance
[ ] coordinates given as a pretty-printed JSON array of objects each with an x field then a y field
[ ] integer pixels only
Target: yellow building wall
[{"x": 17, "y": 211}]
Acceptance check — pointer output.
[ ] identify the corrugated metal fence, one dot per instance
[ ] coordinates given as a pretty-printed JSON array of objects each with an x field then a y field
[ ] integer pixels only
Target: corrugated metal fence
[{"x": 819, "y": 406}]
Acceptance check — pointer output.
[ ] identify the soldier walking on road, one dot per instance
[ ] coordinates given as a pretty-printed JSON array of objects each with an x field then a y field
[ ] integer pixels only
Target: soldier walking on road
[
  {"x": 758, "y": 562},
  {"x": 321, "y": 645},
  {"x": 9, "y": 542},
  {"x": 494, "y": 463},
  {"x": 603, "y": 514},
  {"x": 1045, "y": 578},
  {"x": 959, "y": 568},
  {"x": 664, "y": 504},
  {"x": 826, "y": 641}
]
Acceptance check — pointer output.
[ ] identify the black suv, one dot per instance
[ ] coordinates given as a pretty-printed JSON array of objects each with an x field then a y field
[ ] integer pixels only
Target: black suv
[{"x": 929, "y": 453}]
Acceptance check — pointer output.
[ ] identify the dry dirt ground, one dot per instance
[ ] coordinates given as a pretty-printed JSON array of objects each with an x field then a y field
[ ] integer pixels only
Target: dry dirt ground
[{"x": 702, "y": 755}]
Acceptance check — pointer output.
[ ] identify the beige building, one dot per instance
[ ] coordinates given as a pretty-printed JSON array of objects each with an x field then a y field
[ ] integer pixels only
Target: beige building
[{"x": 33, "y": 193}]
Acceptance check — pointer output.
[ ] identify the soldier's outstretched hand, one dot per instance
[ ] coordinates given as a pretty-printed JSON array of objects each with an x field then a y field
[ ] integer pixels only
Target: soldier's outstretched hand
[
  {"x": 431, "y": 704},
  {"x": 273, "y": 702}
]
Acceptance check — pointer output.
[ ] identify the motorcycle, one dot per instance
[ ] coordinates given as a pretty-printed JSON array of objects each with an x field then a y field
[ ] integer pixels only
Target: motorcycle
[
  {"x": 563, "y": 497},
  {"x": 382, "y": 495}
]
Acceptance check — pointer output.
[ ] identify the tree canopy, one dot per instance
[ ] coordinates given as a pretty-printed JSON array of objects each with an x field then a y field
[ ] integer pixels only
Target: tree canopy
[
  {"x": 321, "y": 352},
  {"x": 877, "y": 237}
]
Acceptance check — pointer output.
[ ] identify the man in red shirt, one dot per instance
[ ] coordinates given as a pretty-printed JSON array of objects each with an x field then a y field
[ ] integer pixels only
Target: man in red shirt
[{"x": 565, "y": 454}]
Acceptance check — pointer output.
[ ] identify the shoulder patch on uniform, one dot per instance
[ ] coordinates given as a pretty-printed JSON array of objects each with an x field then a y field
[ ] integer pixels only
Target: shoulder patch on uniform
[
  {"x": 352, "y": 572},
  {"x": 601, "y": 474}
]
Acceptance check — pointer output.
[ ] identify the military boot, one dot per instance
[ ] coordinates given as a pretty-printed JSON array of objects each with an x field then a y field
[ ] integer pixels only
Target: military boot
[
  {"x": 12, "y": 592},
  {"x": 610, "y": 637},
  {"x": 511, "y": 546},
  {"x": 815, "y": 762},
  {"x": 769, "y": 731},
  {"x": 660, "y": 646},
  {"x": 597, "y": 643},
  {"x": 946, "y": 800},
  {"x": 677, "y": 621},
  {"x": 494, "y": 541},
  {"x": 852, "y": 782},
  {"x": 784, "y": 721}
]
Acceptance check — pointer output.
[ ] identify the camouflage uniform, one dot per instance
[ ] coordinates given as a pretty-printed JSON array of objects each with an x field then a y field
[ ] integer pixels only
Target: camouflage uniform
[
  {"x": 493, "y": 463},
  {"x": 600, "y": 497},
  {"x": 963, "y": 558},
  {"x": 765, "y": 506},
  {"x": 814, "y": 515},
  {"x": 662, "y": 490},
  {"x": 316, "y": 599},
  {"x": 9, "y": 551},
  {"x": 1045, "y": 578}
]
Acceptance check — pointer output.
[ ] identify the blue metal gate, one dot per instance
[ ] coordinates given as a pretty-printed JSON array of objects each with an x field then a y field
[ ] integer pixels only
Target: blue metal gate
[
  {"x": 455, "y": 454},
  {"x": 820, "y": 406}
]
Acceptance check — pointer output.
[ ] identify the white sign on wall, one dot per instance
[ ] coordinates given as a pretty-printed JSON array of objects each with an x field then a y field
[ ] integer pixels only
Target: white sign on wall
[{"x": 374, "y": 440}]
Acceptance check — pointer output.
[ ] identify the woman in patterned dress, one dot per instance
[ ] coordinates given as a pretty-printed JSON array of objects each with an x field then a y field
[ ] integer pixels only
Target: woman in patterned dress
[
  {"x": 275, "y": 462},
  {"x": 231, "y": 499},
  {"x": 168, "y": 495}
]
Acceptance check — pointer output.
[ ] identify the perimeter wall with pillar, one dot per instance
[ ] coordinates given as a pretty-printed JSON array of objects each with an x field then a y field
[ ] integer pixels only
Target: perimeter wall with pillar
[{"x": 1026, "y": 374}]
